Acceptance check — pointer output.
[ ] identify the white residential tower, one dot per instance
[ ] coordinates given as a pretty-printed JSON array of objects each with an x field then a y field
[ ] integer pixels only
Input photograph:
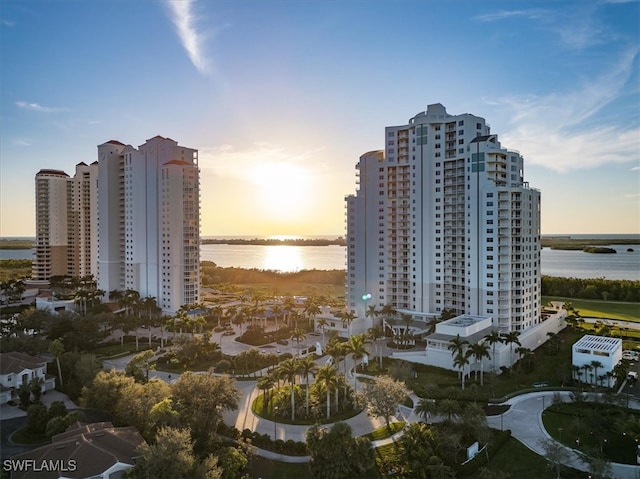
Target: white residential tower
[
  {"x": 149, "y": 221},
  {"x": 442, "y": 219}
]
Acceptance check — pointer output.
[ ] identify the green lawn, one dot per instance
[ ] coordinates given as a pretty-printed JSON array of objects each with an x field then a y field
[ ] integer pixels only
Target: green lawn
[
  {"x": 519, "y": 462},
  {"x": 384, "y": 432},
  {"x": 591, "y": 427},
  {"x": 548, "y": 365},
  {"x": 268, "y": 469},
  {"x": 601, "y": 309},
  {"x": 129, "y": 347}
]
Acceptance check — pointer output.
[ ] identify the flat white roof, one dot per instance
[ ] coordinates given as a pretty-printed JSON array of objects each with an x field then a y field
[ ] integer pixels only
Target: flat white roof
[{"x": 598, "y": 343}]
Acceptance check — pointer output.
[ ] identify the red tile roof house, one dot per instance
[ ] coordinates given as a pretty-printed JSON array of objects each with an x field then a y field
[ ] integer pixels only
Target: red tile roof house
[
  {"x": 91, "y": 451},
  {"x": 17, "y": 368}
]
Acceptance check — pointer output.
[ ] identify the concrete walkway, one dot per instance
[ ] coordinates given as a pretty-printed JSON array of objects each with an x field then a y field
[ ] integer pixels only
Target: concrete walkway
[{"x": 524, "y": 419}]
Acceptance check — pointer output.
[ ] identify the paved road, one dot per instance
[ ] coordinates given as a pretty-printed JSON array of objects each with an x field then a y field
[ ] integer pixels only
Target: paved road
[{"x": 524, "y": 418}]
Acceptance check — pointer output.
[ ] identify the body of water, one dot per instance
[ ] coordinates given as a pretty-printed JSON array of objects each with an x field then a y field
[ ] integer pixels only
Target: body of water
[{"x": 576, "y": 264}]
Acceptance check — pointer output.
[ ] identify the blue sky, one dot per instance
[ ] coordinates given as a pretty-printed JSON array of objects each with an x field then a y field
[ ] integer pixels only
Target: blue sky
[{"x": 282, "y": 97}]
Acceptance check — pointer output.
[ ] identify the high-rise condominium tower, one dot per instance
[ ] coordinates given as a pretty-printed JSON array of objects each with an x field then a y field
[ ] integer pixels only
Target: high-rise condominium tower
[
  {"x": 149, "y": 221},
  {"x": 443, "y": 220},
  {"x": 66, "y": 234}
]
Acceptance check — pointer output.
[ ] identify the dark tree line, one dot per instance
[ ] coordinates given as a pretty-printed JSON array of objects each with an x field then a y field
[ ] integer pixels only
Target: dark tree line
[
  {"x": 592, "y": 288},
  {"x": 213, "y": 274}
]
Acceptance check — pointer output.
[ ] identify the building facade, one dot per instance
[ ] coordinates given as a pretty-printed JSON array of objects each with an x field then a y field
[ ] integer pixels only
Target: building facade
[
  {"x": 66, "y": 235},
  {"x": 442, "y": 219},
  {"x": 149, "y": 221}
]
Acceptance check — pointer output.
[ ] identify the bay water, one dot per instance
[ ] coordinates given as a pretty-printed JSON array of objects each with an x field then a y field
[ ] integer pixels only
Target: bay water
[{"x": 577, "y": 264}]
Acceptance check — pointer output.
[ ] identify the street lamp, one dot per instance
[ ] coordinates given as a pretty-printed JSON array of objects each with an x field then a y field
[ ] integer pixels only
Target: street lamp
[{"x": 275, "y": 422}]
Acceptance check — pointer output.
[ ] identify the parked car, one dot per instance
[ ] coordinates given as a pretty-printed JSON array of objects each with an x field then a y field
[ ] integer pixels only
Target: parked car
[{"x": 284, "y": 342}]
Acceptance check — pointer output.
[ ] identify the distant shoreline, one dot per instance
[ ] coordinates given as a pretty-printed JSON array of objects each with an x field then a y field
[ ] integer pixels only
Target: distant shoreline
[{"x": 571, "y": 242}]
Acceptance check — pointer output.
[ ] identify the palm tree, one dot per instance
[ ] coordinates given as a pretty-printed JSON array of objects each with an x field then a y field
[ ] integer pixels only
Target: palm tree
[
  {"x": 57, "y": 349},
  {"x": 290, "y": 368},
  {"x": 356, "y": 346},
  {"x": 311, "y": 309},
  {"x": 479, "y": 352},
  {"x": 493, "y": 339},
  {"x": 575, "y": 372},
  {"x": 387, "y": 311},
  {"x": 586, "y": 368},
  {"x": 276, "y": 312},
  {"x": 307, "y": 366},
  {"x": 449, "y": 407},
  {"x": 376, "y": 334},
  {"x": 150, "y": 305},
  {"x": 289, "y": 305},
  {"x": 347, "y": 319},
  {"x": 265, "y": 384},
  {"x": 371, "y": 312},
  {"x": 218, "y": 312},
  {"x": 595, "y": 365},
  {"x": 328, "y": 377},
  {"x": 322, "y": 323},
  {"x": 522, "y": 352},
  {"x": 334, "y": 349},
  {"x": 460, "y": 361},
  {"x": 511, "y": 338},
  {"x": 426, "y": 407},
  {"x": 457, "y": 346},
  {"x": 298, "y": 335}
]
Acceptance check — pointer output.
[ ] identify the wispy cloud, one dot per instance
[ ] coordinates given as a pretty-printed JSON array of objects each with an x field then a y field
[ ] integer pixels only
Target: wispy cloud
[
  {"x": 635, "y": 168},
  {"x": 22, "y": 142},
  {"x": 182, "y": 14},
  {"x": 561, "y": 130},
  {"x": 575, "y": 28},
  {"x": 37, "y": 107},
  {"x": 532, "y": 14}
]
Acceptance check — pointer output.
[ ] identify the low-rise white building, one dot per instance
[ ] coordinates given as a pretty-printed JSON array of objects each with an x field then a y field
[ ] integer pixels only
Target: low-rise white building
[
  {"x": 595, "y": 356},
  {"x": 474, "y": 329},
  {"x": 17, "y": 369}
]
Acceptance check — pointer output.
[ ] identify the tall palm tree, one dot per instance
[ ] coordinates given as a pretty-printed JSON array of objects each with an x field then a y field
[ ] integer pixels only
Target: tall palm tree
[
  {"x": 265, "y": 384},
  {"x": 457, "y": 345},
  {"x": 322, "y": 324},
  {"x": 493, "y": 339},
  {"x": 347, "y": 319},
  {"x": 307, "y": 367},
  {"x": 356, "y": 346},
  {"x": 334, "y": 349},
  {"x": 298, "y": 335},
  {"x": 276, "y": 311},
  {"x": 479, "y": 352},
  {"x": 596, "y": 365},
  {"x": 289, "y": 305},
  {"x": 311, "y": 309},
  {"x": 511, "y": 338},
  {"x": 460, "y": 361},
  {"x": 217, "y": 311},
  {"x": 371, "y": 312},
  {"x": 290, "y": 368},
  {"x": 57, "y": 349},
  {"x": 328, "y": 377},
  {"x": 376, "y": 334}
]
